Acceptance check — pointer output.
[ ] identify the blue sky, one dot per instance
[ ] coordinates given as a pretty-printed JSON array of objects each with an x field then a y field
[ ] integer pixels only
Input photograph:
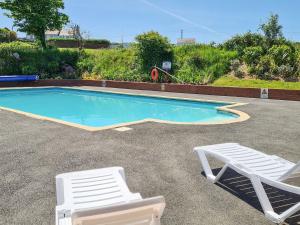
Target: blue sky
[{"x": 207, "y": 21}]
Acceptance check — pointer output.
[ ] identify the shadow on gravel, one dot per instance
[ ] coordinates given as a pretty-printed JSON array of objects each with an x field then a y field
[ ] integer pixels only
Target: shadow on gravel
[{"x": 242, "y": 188}]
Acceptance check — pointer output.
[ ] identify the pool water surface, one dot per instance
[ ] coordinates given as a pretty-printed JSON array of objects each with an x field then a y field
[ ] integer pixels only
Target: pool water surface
[{"x": 100, "y": 109}]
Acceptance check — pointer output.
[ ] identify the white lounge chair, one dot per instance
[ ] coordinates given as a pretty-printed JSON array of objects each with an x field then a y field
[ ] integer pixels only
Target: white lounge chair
[
  {"x": 260, "y": 168},
  {"x": 101, "y": 197}
]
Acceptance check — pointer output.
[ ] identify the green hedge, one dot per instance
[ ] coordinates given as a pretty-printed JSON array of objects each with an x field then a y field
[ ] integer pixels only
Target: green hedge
[
  {"x": 73, "y": 43},
  {"x": 25, "y": 58}
]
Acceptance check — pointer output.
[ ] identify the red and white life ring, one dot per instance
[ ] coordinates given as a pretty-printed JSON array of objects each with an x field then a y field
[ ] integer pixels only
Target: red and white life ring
[{"x": 154, "y": 74}]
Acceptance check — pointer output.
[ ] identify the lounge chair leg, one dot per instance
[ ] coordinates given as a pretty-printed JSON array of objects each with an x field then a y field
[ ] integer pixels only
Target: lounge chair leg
[
  {"x": 156, "y": 219},
  {"x": 290, "y": 212},
  {"x": 220, "y": 174},
  {"x": 207, "y": 169},
  {"x": 264, "y": 200}
]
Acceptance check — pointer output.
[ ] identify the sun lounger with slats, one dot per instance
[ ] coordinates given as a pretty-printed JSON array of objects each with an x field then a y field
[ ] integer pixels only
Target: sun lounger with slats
[
  {"x": 101, "y": 197},
  {"x": 260, "y": 168}
]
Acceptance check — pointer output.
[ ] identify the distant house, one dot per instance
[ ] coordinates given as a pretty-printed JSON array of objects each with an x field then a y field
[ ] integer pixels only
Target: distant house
[
  {"x": 120, "y": 45},
  {"x": 186, "y": 41},
  {"x": 65, "y": 34},
  {"x": 30, "y": 37}
]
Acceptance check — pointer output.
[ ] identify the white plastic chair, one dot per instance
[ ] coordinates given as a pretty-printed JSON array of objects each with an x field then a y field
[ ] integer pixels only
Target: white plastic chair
[
  {"x": 259, "y": 168},
  {"x": 101, "y": 197}
]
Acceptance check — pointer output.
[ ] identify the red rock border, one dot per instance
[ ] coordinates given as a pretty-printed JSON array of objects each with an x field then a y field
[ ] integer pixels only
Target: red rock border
[{"x": 293, "y": 95}]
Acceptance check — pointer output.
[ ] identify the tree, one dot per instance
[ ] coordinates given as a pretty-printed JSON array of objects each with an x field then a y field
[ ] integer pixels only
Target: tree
[
  {"x": 153, "y": 49},
  {"x": 7, "y": 35},
  {"x": 79, "y": 35},
  {"x": 240, "y": 42},
  {"x": 36, "y": 17},
  {"x": 272, "y": 30}
]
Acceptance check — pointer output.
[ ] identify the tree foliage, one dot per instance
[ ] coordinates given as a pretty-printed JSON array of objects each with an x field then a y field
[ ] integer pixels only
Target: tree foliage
[
  {"x": 7, "y": 35},
  {"x": 28, "y": 58},
  {"x": 251, "y": 55},
  {"x": 153, "y": 49},
  {"x": 268, "y": 55},
  {"x": 36, "y": 17},
  {"x": 272, "y": 30},
  {"x": 240, "y": 42}
]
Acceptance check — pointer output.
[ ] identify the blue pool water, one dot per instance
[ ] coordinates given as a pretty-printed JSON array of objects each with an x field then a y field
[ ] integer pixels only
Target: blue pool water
[{"x": 97, "y": 109}]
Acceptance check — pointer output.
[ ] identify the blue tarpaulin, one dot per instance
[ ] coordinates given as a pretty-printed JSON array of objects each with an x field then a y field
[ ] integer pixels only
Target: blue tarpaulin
[{"x": 18, "y": 78}]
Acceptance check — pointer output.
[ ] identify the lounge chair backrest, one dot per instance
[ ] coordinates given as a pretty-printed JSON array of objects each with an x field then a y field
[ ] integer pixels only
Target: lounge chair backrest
[{"x": 141, "y": 212}]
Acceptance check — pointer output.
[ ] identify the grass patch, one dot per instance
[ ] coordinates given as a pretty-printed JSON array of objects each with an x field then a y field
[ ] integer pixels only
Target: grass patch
[{"x": 228, "y": 81}]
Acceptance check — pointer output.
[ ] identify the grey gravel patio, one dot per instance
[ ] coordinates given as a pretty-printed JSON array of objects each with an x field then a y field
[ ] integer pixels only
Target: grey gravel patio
[{"x": 157, "y": 158}]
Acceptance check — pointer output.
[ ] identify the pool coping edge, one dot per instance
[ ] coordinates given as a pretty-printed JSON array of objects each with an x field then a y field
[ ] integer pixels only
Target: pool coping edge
[{"x": 228, "y": 108}]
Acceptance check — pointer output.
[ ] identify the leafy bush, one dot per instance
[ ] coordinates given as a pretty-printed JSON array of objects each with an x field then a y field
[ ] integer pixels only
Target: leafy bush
[
  {"x": 268, "y": 56},
  {"x": 110, "y": 64},
  {"x": 297, "y": 45},
  {"x": 7, "y": 35},
  {"x": 285, "y": 59},
  {"x": 240, "y": 42},
  {"x": 25, "y": 58},
  {"x": 280, "y": 62},
  {"x": 252, "y": 55},
  {"x": 282, "y": 54},
  {"x": 201, "y": 64},
  {"x": 236, "y": 67},
  {"x": 153, "y": 49},
  {"x": 265, "y": 68}
]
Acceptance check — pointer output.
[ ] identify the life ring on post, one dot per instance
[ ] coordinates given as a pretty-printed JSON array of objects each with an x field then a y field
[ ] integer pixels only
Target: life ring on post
[{"x": 154, "y": 74}]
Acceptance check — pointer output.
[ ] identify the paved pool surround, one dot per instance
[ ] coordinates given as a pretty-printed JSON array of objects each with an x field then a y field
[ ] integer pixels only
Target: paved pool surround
[{"x": 157, "y": 158}]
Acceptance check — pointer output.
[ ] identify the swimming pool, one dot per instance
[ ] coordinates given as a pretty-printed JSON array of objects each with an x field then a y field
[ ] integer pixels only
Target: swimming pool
[{"x": 96, "y": 109}]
